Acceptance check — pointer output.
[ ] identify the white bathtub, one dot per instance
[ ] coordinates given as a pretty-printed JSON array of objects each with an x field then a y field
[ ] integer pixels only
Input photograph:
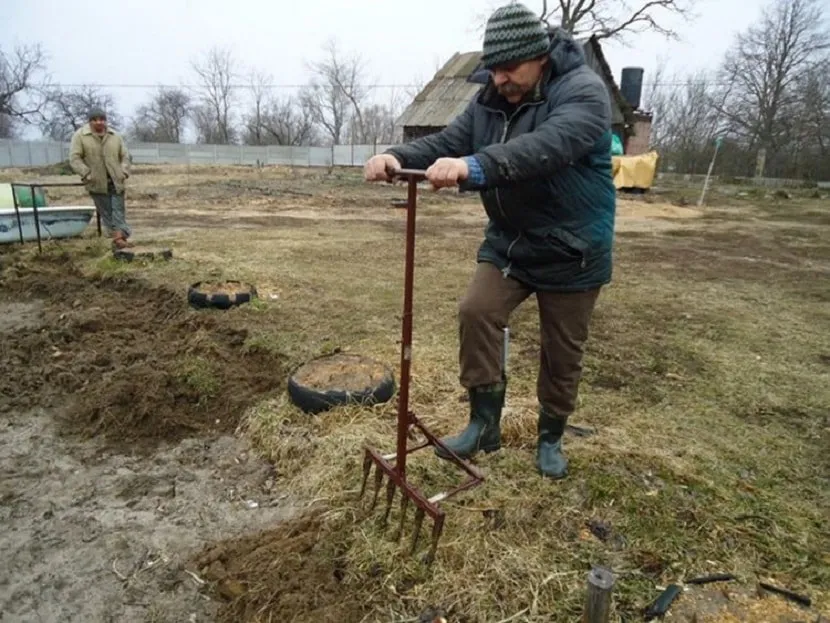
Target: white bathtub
[{"x": 55, "y": 222}]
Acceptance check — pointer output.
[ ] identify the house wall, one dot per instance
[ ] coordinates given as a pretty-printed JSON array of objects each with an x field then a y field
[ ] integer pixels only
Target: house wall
[{"x": 640, "y": 141}]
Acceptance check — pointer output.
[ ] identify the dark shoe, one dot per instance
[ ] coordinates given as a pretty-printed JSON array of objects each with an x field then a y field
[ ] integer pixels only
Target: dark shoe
[
  {"x": 483, "y": 433},
  {"x": 550, "y": 461}
]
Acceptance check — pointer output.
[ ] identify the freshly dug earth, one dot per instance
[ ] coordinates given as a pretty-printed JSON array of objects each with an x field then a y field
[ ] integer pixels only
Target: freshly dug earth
[
  {"x": 128, "y": 361},
  {"x": 293, "y": 569},
  {"x": 343, "y": 372}
]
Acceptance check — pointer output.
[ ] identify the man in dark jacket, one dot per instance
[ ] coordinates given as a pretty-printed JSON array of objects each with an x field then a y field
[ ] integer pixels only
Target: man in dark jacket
[{"x": 536, "y": 143}]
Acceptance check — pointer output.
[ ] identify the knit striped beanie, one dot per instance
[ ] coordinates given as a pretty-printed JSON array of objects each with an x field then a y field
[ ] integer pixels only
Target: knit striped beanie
[{"x": 513, "y": 34}]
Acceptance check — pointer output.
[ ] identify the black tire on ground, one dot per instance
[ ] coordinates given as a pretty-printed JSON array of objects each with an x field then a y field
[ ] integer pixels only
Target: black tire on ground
[
  {"x": 313, "y": 400},
  {"x": 129, "y": 254},
  {"x": 245, "y": 293}
]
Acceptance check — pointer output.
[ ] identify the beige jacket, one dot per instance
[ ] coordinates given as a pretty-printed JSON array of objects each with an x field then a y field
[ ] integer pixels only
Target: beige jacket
[{"x": 92, "y": 157}]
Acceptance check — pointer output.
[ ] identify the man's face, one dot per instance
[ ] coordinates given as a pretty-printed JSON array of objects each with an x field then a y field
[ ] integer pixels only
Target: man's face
[
  {"x": 514, "y": 81},
  {"x": 98, "y": 125}
]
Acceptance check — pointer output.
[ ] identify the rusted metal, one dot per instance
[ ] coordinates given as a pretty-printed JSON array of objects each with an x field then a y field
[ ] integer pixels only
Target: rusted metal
[{"x": 393, "y": 466}]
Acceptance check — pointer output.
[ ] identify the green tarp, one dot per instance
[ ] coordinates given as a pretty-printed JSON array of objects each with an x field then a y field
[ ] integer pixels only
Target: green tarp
[
  {"x": 616, "y": 145},
  {"x": 23, "y": 194}
]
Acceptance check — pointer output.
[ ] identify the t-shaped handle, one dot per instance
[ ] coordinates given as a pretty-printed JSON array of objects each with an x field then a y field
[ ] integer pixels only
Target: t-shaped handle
[{"x": 416, "y": 174}]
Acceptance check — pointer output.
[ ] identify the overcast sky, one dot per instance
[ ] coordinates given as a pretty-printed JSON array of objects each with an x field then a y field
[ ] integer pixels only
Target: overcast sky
[{"x": 153, "y": 41}]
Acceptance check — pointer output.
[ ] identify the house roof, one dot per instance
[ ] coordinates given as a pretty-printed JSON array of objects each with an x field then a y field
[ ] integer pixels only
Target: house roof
[
  {"x": 446, "y": 95},
  {"x": 450, "y": 90}
]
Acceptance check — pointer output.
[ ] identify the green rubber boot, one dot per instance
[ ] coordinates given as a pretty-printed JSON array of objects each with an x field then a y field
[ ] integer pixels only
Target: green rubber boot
[
  {"x": 483, "y": 432},
  {"x": 550, "y": 461}
]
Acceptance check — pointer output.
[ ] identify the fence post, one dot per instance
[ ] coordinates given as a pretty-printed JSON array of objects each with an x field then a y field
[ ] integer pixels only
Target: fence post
[{"x": 598, "y": 598}]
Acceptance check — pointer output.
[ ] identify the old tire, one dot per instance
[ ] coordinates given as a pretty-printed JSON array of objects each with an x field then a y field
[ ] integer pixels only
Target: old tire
[
  {"x": 129, "y": 254},
  {"x": 324, "y": 383},
  {"x": 221, "y": 295}
]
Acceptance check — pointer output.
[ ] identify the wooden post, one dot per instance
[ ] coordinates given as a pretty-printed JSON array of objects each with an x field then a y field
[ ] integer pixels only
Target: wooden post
[{"x": 598, "y": 598}]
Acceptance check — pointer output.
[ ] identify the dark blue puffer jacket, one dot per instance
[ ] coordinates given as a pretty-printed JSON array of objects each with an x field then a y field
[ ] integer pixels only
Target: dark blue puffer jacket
[{"x": 549, "y": 191}]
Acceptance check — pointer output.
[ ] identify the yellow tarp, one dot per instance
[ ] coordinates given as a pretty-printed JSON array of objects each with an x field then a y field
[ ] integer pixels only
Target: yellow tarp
[{"x": 634, "y": 171}]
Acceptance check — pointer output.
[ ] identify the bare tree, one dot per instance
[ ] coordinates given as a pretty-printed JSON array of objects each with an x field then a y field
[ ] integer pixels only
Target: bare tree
[
  {"x": 282, "y": 122},
  {"x": 764, "y": 69},
  {"x": 686, "y": 121},
  {"x": 163, "y": 119},
  {"x": 259, "y": 82},
  {"x": 810, "y": 134},
  {"x": 21, "y": 98},
  {"x": 378, "y": 124},
  {"x": 8, "y": 126},
  {"x": 216, "y": 73},
  {"x": 67, "y": 110},
  {"x": 612, "y": 19},
  {"x": 337, "y": 92},
  {"x": 608, "y": 19}
]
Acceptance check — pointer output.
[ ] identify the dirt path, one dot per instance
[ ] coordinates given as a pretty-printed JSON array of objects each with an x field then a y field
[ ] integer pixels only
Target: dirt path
[{"x": 94, "y": 536}]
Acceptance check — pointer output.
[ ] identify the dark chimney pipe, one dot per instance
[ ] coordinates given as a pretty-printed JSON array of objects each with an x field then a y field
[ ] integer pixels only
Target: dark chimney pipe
[{"x": 631, "y": 85}]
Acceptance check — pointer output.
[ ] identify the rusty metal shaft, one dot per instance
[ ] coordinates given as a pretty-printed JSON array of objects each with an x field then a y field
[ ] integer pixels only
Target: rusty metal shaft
[
  {"x": 394, "y": 466},
  {"x": 413, "y": 177}
]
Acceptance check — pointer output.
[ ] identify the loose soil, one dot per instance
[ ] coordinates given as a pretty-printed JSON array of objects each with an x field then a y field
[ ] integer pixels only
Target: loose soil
[
  {"x": 293, "y": 569},
  {"x": 124, "y": 359},
  {"x": 98, "y": 526},
  {"x": 342, "y": 372},
  {"x": 223, "y": 287}
]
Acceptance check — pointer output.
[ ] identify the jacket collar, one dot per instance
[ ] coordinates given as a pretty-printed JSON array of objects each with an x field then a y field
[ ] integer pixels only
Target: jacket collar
[{"x": 88, "y": 130}]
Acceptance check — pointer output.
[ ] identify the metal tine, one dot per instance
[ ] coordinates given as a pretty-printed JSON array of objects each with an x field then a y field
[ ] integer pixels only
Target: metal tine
[
  {"x": 404, "y": 507},
  {"x": 367, "y": 468},
  {"x": 419, "y": 521},
  {"x": 378, "y": 483},
  {"x": 437, "y": 529},
  {"x": 390, "y": 496}
]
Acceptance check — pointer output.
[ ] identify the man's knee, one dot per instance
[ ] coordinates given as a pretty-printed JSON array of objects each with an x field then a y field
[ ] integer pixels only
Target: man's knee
[{"x": 476, "y": 309}]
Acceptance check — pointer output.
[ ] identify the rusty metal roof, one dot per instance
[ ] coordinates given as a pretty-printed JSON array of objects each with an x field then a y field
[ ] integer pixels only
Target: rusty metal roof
[{"x": 448, "y": 93}]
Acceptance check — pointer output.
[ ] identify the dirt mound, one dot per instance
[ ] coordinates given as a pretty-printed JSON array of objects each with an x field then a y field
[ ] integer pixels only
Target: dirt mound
[
  {"x": 290, "y": 570},
  {"x": 134, "y": 361},
  {"x": 342, "y": 372}
]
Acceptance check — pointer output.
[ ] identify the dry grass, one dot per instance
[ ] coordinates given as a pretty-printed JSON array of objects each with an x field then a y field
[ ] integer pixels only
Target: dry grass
[{"x": 706, "y": 380}]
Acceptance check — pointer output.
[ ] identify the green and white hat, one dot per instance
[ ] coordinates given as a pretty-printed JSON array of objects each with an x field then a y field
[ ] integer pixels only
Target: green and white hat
[{"x": 513, "y": 34}]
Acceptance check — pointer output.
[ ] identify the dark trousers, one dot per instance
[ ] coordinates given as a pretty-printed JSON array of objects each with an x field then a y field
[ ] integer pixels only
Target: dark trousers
[
  {"x": 563, "y": 317},
  {"x": 112, "y": 210}
]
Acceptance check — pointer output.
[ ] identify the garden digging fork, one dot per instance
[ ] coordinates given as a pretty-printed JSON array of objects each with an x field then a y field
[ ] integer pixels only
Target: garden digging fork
[{"x": 393, "y": 466}]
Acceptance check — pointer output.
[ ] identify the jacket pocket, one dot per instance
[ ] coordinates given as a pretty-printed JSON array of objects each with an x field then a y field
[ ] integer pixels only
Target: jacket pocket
[{"x": 568, "y": 245}]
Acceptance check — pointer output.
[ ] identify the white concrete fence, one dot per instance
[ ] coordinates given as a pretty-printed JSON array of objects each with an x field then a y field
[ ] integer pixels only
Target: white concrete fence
[
  {"x": 15, "y": 153},
  {"x": 43, "y": 153}
]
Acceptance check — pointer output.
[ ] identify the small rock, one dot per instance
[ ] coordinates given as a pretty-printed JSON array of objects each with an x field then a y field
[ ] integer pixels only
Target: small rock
[
  {"x": 231, "y": 589},
  {"x": 599, "y": 528}
]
